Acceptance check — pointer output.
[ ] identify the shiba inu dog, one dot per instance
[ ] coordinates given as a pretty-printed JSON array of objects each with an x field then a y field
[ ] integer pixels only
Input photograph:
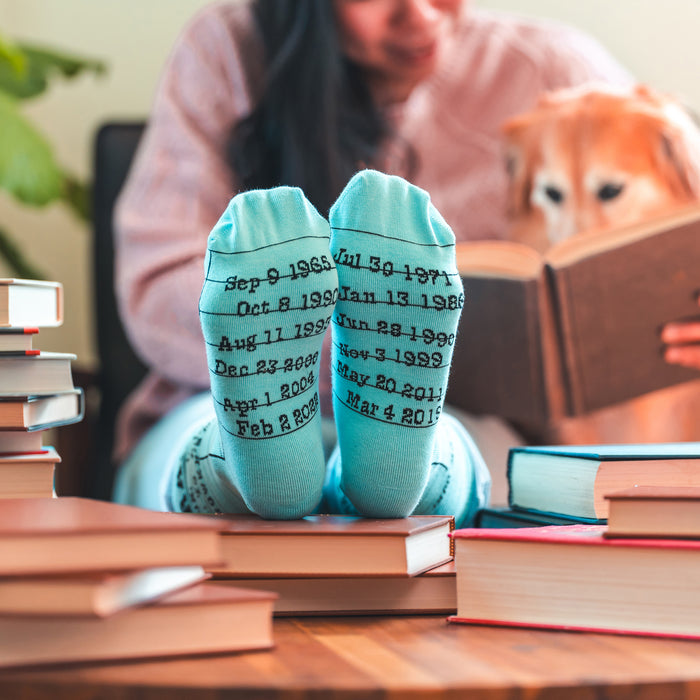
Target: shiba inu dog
[{"x": 591, "y": 157}]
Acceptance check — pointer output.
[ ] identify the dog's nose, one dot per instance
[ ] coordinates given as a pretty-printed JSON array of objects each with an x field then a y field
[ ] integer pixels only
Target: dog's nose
[{"x": 554, "y": 194}]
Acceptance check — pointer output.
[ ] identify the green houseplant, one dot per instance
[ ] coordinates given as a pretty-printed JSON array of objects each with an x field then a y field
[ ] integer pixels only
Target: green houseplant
[{"x": 29, "y": 171}]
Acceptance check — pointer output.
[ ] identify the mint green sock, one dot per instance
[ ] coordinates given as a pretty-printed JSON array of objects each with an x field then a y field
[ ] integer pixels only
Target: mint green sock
[
  {"x": 266, "y": 302},
  {"x": 459, "y": 482},
  {"x": 399, "y": 301}
]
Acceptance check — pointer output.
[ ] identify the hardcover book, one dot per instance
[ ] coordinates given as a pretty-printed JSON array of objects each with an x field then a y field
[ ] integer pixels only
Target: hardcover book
[
  {"x": 494, "y": 517},
  {"x": 572, "y": 577},
  {"x": 41, "y": 412},
  {"x": 333, "y": 545},
  {"x": 68, "y": 535},
  {"x": 432, "y": 592},
  {"x": 27, "y": 475},
  {"x": 17, "y": 340},
  {"x": 30, "y": 303},
  {"x": 655, "y": 511},
  {"x": 542, "y": 337},
  {"x": 574, "y": 480},
  {"x": 199, "y": 620},
  {"x": 45, "y": 373},
  {"x": 99, "y": 594},
  {"x": 14, "y": 441}
]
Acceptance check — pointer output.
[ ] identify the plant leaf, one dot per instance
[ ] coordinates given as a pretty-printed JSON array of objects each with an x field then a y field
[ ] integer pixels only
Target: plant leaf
[
  {"x": 18, "y": 263},
  {"x": 41, "y": 65},
  {"x": 27, "y": 166},
  {"x": 12, "y": 56},
  {"x": 78, "y": 196}
]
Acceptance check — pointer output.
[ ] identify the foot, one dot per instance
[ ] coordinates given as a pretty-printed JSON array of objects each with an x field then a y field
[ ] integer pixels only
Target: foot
[{"x": 267, "y": 300}]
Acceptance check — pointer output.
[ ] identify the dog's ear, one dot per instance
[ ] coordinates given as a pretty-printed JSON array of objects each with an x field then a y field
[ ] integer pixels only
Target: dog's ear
[
  {"x": 677, "y": 134},
  {"x": 679, "y": 152},
  {"x": 519, "y": 140}
]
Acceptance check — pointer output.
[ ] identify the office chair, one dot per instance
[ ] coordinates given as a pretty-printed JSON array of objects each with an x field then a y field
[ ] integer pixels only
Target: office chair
[{"x": 120, "y": 369}]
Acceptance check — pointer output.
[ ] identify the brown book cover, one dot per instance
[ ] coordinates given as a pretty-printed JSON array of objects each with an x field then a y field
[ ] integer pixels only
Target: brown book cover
[
  {"x": 432, "y": 592},
  {"x": 333, "y": 545},
  {"x": 199, "y": 620},
  {"x": 577, "y": 329},
  {"x": 61, "y": 535}
]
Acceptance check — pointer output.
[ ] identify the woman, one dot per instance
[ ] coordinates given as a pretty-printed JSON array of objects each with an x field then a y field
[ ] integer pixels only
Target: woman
[{"x": 258, "y": 94}]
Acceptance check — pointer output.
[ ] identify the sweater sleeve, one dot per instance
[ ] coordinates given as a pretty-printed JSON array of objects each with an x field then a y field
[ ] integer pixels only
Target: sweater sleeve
[{"x": 179, "y": 185}]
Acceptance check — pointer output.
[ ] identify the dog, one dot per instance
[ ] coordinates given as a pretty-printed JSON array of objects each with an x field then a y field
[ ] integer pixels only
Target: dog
[{"x": 594, "y": 157}]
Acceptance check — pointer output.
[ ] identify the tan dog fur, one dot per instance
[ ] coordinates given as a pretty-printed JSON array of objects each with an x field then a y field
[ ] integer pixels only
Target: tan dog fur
[{"x": 589, "y": 158}]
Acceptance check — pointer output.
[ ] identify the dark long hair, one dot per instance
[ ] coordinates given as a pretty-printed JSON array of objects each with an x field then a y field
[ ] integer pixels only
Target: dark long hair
[{"x": 315, "y": 123}]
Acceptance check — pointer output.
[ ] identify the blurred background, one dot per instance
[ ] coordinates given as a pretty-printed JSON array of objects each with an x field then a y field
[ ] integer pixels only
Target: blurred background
[{"x": 656, "y": 41}]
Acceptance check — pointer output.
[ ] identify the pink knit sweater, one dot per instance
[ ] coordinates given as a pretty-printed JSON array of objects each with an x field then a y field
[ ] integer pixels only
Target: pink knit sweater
[{"x": 180, "y": 182}]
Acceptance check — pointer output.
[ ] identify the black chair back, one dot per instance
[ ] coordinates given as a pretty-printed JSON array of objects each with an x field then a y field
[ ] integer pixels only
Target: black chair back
[{"x": 120, "y": 369}]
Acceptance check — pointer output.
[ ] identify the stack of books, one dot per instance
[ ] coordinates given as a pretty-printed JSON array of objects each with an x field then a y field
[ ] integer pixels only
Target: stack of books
[
  {"x": 564, "y": 484},
  {"x": 84, "y": 580},
  {"x": 36, "y": 388},
  {"x": 636, "y": 575},
  {"x": 331, "y": 564}
]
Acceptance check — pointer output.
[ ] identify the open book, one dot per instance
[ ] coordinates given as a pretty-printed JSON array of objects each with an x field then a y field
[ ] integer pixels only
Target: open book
[{"x": 577, "y": 329}]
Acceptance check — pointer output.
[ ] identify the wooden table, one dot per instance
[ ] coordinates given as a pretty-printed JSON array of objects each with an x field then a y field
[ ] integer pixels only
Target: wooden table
[{"x": 398, "y": 657}]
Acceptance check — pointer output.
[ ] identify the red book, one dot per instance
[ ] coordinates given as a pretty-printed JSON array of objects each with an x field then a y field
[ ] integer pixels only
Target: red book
[{"x": 572, "y": 577}]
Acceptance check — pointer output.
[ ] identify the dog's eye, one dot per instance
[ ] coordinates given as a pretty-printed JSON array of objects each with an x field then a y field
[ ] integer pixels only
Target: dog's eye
[
  {"x": 609, "y": 191},
  {"x": 554, "y": 194}
]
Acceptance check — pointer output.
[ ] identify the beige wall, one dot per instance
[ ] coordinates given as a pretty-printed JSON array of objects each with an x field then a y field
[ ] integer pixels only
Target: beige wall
[{"x": 657, "y": 41}]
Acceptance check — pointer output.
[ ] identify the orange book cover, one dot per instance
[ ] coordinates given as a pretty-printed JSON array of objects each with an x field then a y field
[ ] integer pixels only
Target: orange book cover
[{"x": 68, "y": 534}]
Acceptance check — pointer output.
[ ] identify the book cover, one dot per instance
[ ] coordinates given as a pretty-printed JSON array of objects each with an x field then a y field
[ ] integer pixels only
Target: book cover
[
  {"x": 654, "y": 511},
  {"x": 45, "y": 373},
  {"x": 202, "y": 619},
  {"x": 70, "y": 534},
  {"x": 98, "y": 594},
  {"x": 333, "y": 545},
  {"x": 41, "y": 412},
  {"x": 430, "y": 593},
  {"x": 30, "y": 303},
  {"x": 573, "y": 480},
  {"x": 553, "y": 335},
  {"x": 495, "y": 517},
  {"x": 572, "y": 577}
]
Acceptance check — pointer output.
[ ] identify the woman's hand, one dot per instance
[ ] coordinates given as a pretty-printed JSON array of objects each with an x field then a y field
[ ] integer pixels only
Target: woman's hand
[{"x": 682, "y": 340}]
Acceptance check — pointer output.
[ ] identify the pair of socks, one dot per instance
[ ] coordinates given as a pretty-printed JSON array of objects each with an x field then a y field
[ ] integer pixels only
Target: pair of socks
[{"x": 383, "y": 276}]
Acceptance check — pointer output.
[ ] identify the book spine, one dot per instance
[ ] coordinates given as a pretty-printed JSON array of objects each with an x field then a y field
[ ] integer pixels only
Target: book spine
[{"x": 564, "y": 332}]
